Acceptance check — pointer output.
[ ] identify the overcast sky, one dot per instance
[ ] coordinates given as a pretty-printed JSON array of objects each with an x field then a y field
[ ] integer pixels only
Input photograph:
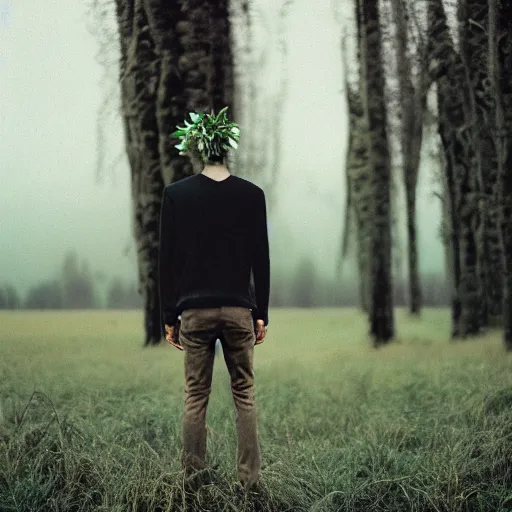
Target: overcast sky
[{"x": 50, "y": 92}]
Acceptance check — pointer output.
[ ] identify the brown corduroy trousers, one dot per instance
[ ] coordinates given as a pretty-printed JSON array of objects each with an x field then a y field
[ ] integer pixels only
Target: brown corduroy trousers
[{"x": 199, "y": 330}]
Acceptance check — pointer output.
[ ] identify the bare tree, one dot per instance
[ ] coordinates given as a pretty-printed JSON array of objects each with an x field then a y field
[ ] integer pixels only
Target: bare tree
[
  {"x": 447, "y": 71},
  {"x": 500, "y": 75},
  {"x": 381, "y": 298},
  {"x": 412, "y": 103},
  {"x": 357, "y": 215},
  {"x": 473, "y": 44},
  {"x": 175, "y": 58}
]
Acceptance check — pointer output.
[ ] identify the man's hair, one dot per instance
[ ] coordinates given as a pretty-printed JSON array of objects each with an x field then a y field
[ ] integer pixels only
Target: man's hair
[
  {"x": 209, "y": 136},
  {"x": 216, "y": 159}
]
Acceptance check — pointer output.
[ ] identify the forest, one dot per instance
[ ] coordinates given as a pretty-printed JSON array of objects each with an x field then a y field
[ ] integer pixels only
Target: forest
[
  {"x": 391, "y": 394},
  {"x": 409, "y": 76}
]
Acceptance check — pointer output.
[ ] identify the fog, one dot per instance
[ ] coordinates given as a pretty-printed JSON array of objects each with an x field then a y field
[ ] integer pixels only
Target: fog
[{"x": 51, "y": 201}]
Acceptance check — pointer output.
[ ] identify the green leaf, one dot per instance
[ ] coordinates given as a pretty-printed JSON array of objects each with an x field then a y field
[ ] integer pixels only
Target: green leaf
[
  {"x": 221, "y": 112},
  {"x": 208, "y": 134}
]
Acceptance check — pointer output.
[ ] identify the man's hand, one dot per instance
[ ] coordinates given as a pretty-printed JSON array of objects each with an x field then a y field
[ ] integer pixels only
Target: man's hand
[
  {"x": 170, "y": 336},
  {"x": 261, "y": 331}
]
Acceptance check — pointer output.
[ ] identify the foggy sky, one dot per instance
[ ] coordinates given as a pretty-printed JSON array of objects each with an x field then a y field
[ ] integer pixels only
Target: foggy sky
[{"x": 50, "y": 92}]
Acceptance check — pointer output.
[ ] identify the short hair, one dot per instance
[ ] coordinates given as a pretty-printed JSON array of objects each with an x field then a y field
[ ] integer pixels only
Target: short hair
[{"x": 216, "y": 159}]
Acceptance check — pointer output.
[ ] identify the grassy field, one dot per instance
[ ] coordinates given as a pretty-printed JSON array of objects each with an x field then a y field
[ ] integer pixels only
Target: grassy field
[{"x": 89, "y": 420}]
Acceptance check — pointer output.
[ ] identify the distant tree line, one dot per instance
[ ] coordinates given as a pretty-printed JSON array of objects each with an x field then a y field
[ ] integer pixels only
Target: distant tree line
[
  {"x": 179, "y": 57},
  {"x": 74, "y": 288},
  {"x": 468, "y": 79},
  {"x": 307, "y": 287}
]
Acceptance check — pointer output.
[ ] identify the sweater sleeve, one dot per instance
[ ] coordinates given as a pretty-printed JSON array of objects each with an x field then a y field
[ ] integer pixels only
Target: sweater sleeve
[
  {"x": 261, "y": 260},
  {"x": 166, "y": 263}
]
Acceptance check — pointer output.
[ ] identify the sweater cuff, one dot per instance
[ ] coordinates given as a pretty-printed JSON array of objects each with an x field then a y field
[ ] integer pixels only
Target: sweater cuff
[
  {"x": 170, "y": 317},
  {"x": 257, "y": 315}
]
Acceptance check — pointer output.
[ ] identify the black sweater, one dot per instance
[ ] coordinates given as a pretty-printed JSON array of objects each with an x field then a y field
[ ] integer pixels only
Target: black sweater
[{"x": 212, "y": 235}]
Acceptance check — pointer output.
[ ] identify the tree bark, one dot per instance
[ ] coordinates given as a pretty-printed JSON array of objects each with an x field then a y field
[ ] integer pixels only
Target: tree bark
[
  {"x": 221, "y": 76},
  {"x": 139, "y": 78},
  {"x": 359, "y": 192},
  {"x": 447, "y": 71},
  {"x": 381, "y": 300},
  {"x": 163, "y": 19},
  {"x": 358, "y": 178},
  {"x": 168, "y": 67},
  {"x": 412, "y": 102},
  {"x": 500, "y": 73},
  {"x": 474, "y": 51}
]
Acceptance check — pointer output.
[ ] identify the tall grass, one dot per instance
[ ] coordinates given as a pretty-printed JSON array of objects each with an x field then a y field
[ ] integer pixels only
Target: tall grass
[{"x": 89, "y": 420}]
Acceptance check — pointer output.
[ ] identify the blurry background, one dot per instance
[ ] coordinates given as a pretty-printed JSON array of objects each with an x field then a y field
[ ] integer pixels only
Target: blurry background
[{"x": 65, "y": 196}]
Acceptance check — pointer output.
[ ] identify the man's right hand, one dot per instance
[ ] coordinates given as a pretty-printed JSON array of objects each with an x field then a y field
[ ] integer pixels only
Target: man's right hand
[{"x": 261, "y": 331}]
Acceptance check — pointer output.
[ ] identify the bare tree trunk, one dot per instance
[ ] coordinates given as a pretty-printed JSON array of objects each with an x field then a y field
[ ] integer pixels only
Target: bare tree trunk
[
  {"x": 474, "y": 51},
  {"x": 500, "y": 74},
  {"x": 170, "y": 105},
  {"x": 381, "y": 302},
  {"x": 170, "y": 60},
  {"x": 358, "y": 178},
  {"x": 221, "y": 75},
  {"x": 447, "y": 70},
  {"x": 412, "y": 105},
  {"x": 359, "y": 194},
  {"x": 139, "y": 79}
]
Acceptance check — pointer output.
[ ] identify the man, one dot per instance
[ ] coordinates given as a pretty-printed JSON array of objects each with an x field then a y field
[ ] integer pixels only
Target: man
[{"x": 213, "y": 234}]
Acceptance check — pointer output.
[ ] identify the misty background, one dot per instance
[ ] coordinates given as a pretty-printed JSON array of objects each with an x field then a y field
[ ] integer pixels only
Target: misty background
[{"x": 53, "y": 199}]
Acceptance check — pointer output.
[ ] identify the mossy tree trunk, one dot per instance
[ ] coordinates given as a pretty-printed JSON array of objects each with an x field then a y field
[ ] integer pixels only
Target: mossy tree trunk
[
  {"x": 447, "y": 71},
  {"x": 170, "y": 53},
  {"x": 473, "y": 43},
  {"x": 381, "y": 297},
  {"x": 358, "y": 179},
  {"x": 412, "y": 104},
  {"x": 500, "y": 73},
  {"x": 357, "y": 215},
  {"x": 138, "y": 82}
]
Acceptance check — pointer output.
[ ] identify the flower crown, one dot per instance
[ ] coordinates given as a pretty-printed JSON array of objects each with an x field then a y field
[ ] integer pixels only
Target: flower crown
[{"x": 208, "y": 134}]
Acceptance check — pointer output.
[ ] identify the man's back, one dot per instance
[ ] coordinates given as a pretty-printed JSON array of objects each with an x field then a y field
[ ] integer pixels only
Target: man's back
[{"x": 212, "y": 234}]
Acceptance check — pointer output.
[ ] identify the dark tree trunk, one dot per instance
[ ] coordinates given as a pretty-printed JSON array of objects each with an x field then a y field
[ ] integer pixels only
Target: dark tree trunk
[
  {"x": 412, "y": 100},
  {"x": 139, "y": 79},
  {"x": 381, "y": 298},
  {"x": 500, "y": 73},
  {"x": 452, "y": 90},
  {"x": 506, "y": 182},
  {"x": 221, "y": 77},
  {"x": 170, "y": 54},
  {"x": 163, "y": 19},
  {"x": 473, "y": 18},
  {"x": 412, "y": 254}
]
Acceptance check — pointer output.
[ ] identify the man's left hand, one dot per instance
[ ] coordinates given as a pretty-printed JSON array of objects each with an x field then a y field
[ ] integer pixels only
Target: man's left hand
[{"x": 170, "y": 336}]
